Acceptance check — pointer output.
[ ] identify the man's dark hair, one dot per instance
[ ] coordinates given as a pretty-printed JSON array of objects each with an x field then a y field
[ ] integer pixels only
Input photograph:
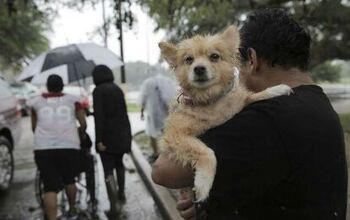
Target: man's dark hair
[
  {"x": 54, "y": 83},
  {"x": 277, "y": 38}
]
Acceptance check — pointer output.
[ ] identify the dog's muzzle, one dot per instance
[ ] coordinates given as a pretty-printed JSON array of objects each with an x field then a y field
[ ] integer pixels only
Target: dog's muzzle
[{"x": 200, "y": 74}]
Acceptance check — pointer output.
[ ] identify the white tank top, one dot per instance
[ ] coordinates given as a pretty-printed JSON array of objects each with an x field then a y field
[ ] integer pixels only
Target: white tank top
[{"x": 56, "y": 122}]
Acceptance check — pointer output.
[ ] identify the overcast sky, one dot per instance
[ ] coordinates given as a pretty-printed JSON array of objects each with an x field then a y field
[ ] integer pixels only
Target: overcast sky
[{"x": 140, "y": 43}]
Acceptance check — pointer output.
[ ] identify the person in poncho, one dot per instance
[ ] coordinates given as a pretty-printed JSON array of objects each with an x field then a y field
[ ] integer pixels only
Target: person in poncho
[
  {"x": 113, "y": 134},
  {"x": 156, "y": 95}
]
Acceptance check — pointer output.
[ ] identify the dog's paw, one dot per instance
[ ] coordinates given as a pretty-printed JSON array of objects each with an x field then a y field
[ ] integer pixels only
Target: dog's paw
[
  {"x": 202, "y": 183},
  {"x": 279, "y": 90}
]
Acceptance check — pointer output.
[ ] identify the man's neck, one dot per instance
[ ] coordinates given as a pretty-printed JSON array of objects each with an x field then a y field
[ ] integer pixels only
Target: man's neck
[{"x": 292, "y": 77}]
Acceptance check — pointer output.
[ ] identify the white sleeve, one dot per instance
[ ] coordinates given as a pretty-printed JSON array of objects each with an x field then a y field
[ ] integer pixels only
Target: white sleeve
[
  {"x": 32, "y": 103},
  {"x": 74, "y": 98}
]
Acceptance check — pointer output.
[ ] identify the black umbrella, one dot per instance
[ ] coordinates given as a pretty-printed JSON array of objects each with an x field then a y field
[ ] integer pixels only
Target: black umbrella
[{"x": 72, "y": 63}]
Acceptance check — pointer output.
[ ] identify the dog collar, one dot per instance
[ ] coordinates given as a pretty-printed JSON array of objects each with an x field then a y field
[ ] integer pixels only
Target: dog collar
[{"x": 187, "y": 99}]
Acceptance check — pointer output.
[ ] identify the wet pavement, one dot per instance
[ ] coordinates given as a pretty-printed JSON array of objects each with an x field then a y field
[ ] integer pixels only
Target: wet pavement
[{"x": 20, "y": 201}]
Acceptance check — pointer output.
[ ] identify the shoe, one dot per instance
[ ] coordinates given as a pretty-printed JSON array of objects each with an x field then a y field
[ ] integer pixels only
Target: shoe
[
  {"x": 111, "y": 215},
  {"x": 112, "y": 196},
  {"x": 92, "y": 207},
  {"x": 72, "y": 214},
  {"x": 153, "y": 158},
  {"x": 121, "y": 184},
  {"x": 121, "y": 196}
]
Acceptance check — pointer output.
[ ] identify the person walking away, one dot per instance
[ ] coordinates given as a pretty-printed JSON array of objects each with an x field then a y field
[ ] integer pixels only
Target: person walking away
[
  {"x": 56, "y": 143},
  {"x": 113, "y": 132},
  {"x": 156, "y": 95}
]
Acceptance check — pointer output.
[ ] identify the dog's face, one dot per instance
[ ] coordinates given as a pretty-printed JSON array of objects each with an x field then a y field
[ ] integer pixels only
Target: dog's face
[{"x": 204, "y": 64}]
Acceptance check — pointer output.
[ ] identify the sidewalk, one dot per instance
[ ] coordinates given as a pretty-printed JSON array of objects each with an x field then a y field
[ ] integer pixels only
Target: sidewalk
[
  {"x": 20, "y": 202},
  {"x": 162, "y": 196}
]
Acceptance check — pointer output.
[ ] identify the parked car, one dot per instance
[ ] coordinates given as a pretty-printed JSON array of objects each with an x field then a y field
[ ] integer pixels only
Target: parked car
[
  {"x": 10, "y": 115},
  {"x": 24, "y": 91}
]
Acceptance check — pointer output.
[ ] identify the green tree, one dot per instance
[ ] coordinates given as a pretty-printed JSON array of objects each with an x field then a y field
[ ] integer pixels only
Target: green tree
[
  {"x": 328, "y": 21},
  {"x": 326, "y": 72},
  {"x": 22, "y": 27}
]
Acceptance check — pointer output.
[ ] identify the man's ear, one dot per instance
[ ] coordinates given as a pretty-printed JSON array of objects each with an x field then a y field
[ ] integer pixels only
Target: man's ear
[
  {"x": 168, "y": 51},
  {"x": 231, "y": 36},
  {"x": 253, "y": 60}
]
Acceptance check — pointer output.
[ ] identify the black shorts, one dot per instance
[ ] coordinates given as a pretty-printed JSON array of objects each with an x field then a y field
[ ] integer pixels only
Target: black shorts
[
  {"x": 57, "y": 167},
  {"x": 110, "y": 162}
]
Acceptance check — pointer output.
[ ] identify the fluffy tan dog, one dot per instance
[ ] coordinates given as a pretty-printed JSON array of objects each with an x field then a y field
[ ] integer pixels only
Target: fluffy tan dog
[{"x": 206, "y": 68}]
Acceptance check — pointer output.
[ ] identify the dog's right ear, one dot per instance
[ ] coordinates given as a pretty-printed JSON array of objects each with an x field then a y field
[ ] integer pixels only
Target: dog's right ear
[
  {"x": 231, "y": 36},
  {"x": 168, "y": 51}
]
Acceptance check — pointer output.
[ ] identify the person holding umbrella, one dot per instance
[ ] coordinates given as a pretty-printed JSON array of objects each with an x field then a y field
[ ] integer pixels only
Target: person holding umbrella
[{"x": 113, "y": 132}]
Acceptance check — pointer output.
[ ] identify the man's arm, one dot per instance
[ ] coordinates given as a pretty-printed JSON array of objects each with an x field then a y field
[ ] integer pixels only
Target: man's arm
[
  {"x": 80, "y": 114},
  {"x": 170, "y": 174},
  {"x": 143, "y": 106},
  {"x": 34, "y": 119},
  {"x": 142, "y": 112},
  {"x": 143, "y": 98}
]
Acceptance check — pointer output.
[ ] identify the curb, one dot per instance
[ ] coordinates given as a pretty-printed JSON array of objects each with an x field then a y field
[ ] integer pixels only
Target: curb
[{"x": 161, "y": 195}]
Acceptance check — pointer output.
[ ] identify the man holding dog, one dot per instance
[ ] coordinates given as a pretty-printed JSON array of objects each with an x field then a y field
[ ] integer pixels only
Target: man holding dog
[{"x": 281, "y": 158}]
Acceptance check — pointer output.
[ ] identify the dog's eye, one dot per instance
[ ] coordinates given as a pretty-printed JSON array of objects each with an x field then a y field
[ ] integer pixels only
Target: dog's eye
[
  {"x": 214, "y": 57},
  {"x": 189, "y": 60}
]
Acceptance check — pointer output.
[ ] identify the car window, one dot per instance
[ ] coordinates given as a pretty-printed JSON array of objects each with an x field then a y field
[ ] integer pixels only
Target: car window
[
  {"x": 24, "y": 90},
  {"x": 4, "y": 89}
]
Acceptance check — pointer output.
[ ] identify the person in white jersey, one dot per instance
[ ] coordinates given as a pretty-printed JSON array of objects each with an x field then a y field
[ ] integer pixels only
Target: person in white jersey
[{"x": 56, "y": 143}]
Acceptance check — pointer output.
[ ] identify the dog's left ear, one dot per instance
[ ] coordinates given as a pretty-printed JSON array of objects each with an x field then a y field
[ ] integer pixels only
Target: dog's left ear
[
  {"x": 168, "y": 51},
  {"x": 231, "y": 36}
]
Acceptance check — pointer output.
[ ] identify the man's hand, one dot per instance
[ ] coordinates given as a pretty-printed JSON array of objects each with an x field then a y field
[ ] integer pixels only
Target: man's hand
[
  {"x": 142, "y": 113},
  {"x": 187, "y": 208},
  {"x": 101, "y": 147}
]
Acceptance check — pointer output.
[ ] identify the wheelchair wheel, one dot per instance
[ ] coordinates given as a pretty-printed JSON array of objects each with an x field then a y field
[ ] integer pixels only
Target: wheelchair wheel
[
  {"x": 39, "y": 189},
  {"x": 83, "y": 193},
  {"x": 91, "y": 184},
  {"x": 62, "y": 198}
]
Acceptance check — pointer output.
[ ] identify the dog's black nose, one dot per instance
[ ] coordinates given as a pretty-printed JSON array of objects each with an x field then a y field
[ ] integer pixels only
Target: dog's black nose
[{"x": 199, "y": 70}]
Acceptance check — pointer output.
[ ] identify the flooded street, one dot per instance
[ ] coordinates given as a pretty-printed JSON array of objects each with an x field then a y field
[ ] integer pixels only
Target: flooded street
[{"x": 20, "y": 201}]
